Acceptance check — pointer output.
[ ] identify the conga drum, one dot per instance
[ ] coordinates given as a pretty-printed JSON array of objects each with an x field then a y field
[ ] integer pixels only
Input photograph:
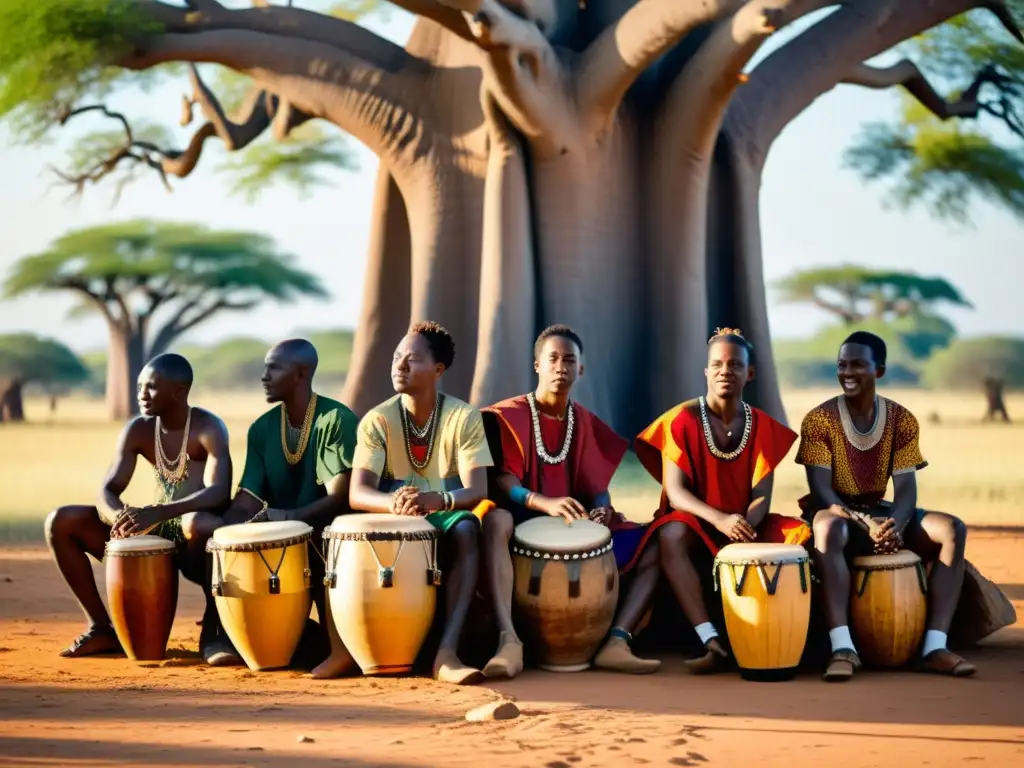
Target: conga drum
[
  {"x": 888, "y": 607},
  {"x": 382, "y": 581},
  {"x": 766, "y": 598},
  {"x": 261, "y": 588},
  {"x": 565, "y": 589},
  {"x": 142, "y": 592}
]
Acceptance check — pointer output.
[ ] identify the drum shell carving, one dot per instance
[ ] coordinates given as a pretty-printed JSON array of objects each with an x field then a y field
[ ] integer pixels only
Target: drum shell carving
[
  {"x": 142, "y": 594},
  {"x": 766, "y": 599},
  {"x": 264, "y": 626},
  {"x": 383, "y": 627},
  {"x": 888, "y": 607}
]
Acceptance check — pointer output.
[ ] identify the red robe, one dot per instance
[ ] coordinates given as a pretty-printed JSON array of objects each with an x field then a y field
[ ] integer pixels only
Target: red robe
[{"x": 678, "y": 436}]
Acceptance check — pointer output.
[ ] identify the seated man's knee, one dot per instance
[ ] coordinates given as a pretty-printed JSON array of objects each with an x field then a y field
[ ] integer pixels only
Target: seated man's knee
[
  {"x": 674, "y": 538},
  {"x": 62, "y": 522},
  {"x": 199, "y": 526},
  {"x": 498, "y": 525},
  {"x": 945, "y": 529},
  {"x": 830, "y": 531},
  {"x": 465, "y": 535}
]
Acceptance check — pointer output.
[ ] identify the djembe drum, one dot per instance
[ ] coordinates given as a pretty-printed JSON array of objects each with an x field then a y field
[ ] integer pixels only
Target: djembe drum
[
  {"x": 142, "y": 591},
  {"x": 565, "y": 589},
  {"x": 382, "y": 579},
  {"x": 888, "y": 607},
  {"x": 261, "y": 588},
  {"x": 766, "y": 598}
]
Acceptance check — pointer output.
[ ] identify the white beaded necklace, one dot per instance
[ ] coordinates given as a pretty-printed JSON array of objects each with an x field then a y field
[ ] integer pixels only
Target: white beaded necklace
[
  {"x": 709, "y": 437},
  {"x": 538, "y": 440}
]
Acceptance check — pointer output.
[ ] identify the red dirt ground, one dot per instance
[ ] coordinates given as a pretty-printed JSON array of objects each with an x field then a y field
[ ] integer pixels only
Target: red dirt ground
[{"x": 106, "y": 712}]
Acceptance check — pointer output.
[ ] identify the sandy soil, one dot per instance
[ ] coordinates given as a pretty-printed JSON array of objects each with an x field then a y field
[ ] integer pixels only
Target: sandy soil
[{"x": 107, "y": 712}]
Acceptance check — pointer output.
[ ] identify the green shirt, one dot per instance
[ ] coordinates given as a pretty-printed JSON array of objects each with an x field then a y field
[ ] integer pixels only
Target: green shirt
[{"x": 270, "y": 477}]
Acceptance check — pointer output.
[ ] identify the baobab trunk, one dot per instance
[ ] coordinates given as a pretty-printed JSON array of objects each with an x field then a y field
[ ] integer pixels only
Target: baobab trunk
[
  {"x": 125, "y": 360},
  {"x": 12, "y": 406}
]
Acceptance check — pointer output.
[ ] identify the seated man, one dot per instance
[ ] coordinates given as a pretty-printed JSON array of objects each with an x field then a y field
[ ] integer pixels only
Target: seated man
[
  {"x": 424, "y": 453},
  {"x": 194, "y": 487},
  {"x": 297, "y": 466},
  {"x": 714, "y": 457},
  {"x": 851, "y": 446},
  {"x": 558, "y": 459}
]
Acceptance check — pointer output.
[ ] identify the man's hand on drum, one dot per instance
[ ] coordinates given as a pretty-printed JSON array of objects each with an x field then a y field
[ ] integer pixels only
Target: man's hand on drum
[
  {"x": 127, "y": 521},
  {"x": 408, "y": 500},
  {"x": 885, "y": 535},
  {"x": 565, "y": 507},
  {"x": 736, "y": 528},
  {"x": 603, "y": 515}
]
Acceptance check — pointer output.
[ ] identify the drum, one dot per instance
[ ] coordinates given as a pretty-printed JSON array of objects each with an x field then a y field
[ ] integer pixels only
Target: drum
[
  {"x": 382, "y": 581},
  {"x": 766, "y": 599},
  {"x": 142, "y": 592},
  {"x": 565, "y": 589},
  {"x": 261, "y": 588},
  {"x": 888, "y": 607}
]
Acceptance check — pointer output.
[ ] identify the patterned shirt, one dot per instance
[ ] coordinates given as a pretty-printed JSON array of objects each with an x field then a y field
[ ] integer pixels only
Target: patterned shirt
[{"x": 861, "y": 463}]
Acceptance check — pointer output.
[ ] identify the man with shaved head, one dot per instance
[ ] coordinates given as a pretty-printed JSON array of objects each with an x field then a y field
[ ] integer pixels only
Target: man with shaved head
[
  {"x": 298, "y": 463},
  {"x": 188, "y": 449}
]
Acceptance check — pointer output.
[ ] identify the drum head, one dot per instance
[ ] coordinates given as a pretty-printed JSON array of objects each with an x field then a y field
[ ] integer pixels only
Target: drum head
[
  {"x": 359, "y": 526},
  {"x": 902, "y": 559},
  {"x": 553, "y": 534},
  {"x": 762, "y": 553},
  {"x": 139, "y": 545},
  {"x": 246, "y": 537}
]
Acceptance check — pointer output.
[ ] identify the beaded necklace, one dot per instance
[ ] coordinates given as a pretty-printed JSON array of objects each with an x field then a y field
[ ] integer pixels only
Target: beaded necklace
[
  {"x": 542, "y": 452},
  {"x": 710, "y": 438}
]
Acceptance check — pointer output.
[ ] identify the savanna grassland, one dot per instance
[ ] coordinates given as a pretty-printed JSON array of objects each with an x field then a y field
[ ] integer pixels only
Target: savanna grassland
[{"x": 975, "y": 469}]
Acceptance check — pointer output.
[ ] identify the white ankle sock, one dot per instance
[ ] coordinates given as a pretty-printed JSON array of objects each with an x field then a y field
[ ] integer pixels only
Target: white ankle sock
[
  {"x": 933, "y": 641},
  {"x": 706, "y": 631},
  {"x": 841, "y": 640}
]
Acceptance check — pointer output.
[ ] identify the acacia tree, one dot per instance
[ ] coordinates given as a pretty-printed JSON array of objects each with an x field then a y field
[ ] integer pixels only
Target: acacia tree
[
  {"x": 153, "y": 282},
  {"x": 540, "y": 162},
  {"x": 28, "y": 359}
]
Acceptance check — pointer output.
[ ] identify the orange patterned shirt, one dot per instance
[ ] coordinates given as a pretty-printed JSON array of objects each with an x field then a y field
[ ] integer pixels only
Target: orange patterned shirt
[{"x": 861, "y": 463}]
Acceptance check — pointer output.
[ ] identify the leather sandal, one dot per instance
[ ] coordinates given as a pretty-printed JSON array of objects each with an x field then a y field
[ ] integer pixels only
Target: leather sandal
[
  {"x": 93, "y": 642},
  {"x": 944, "y": 662},
  {"x": 841, "y": 666}
]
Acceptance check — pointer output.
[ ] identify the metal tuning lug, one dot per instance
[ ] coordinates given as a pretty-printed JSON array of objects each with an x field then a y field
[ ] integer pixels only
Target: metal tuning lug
[
  {"x": 330, "y": 580},
  {"x": 217, "y": 589},
  {"x": 386, "y": 577},
  {"x": 433, "y": 577},
  {"x": 275, "y": 585},
  {"x": 307, "y": 577}
]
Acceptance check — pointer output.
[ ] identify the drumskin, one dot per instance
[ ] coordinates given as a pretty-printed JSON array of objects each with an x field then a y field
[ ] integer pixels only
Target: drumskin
[{"x": 726, "y": 485}]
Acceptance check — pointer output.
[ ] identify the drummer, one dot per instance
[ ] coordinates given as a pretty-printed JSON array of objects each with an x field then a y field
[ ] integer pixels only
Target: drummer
[
  {"x": 715, "y": 457},
  {"x": 188, "y": 449},
  {"x": 558, "y": 459},
  {"x": 297, "y": 465},
  {"x": 424, "y": 453},
  {"x": 851, "y": 446}
]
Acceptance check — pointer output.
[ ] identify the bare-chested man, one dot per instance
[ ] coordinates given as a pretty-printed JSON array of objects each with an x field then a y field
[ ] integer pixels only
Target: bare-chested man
[{"x": 188, "y": 449}]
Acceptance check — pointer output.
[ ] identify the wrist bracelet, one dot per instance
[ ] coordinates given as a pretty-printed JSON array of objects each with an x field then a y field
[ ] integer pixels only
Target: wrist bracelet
[{"x": 519, "y": 495}]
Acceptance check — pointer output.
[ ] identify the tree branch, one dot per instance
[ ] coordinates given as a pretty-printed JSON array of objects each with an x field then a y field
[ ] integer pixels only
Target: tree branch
[
  {"x": 907, "y": 74},
  {"x": 79, "y": 286},
  {"x": 626, "y": 48},
  {"x": 790, "y": 79},
  {"x": 448, "y": 15}
]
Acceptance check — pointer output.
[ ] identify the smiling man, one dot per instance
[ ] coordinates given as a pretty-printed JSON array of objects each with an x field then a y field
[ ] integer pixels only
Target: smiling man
[
  {"x": 424, "y": 453},
  {"x": 851, "y": 446},
  {"x": 188, "y": 449},
  {"x": 715, "y": 457}
]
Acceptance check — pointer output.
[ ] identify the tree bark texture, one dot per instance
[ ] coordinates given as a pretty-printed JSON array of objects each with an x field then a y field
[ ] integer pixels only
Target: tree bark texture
[{"x": 543, "y": 163}]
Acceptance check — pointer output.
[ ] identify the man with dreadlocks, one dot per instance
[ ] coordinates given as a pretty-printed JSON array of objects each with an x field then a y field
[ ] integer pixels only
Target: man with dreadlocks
[
  {"x": 425, "y": 453},
  {"x": 714, "y": 457}
]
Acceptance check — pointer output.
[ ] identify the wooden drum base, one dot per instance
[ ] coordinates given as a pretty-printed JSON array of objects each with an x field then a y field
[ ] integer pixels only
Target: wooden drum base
[
  {"x": 565, "y": 667},
  {"x": 768, "y": 675}
]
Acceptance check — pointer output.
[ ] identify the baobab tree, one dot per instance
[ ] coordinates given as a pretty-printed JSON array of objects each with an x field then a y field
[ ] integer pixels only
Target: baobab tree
[{"x": 595, "y": 163}]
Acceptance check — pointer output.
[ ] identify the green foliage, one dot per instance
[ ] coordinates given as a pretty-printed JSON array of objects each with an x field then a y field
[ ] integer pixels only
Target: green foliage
[
  {"x": 57, "y": 52},
  {"x": 300, "y": 161},
  {"x": 968, "y": 361},
  {"x": 176, "y": 261},
  {"x": 40, "y": 361},
  {"x": 94, "y": 146},
  {"x": 944, "y": 166}
]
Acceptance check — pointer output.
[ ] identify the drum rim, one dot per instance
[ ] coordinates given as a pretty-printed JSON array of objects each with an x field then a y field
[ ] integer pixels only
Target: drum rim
[
  {"x": 167, "y": 547},
  {"x": 258, "y": 546},
  {"x": 539, "y": 553},
  {"x": 423, "y": 535},
  {"x": 795, "y": 560},
  {"x": 885, "y": 566}
]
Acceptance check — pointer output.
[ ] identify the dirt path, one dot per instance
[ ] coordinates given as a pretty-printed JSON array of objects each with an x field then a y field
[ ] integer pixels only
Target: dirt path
[{"x": 180, "y": 713}]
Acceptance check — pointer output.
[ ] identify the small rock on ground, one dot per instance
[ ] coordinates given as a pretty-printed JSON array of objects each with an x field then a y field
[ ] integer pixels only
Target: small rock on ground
[{"x": 495, "y": 710}]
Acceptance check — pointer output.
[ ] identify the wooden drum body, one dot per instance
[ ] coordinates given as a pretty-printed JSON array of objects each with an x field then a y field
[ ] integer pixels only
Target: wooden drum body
[
  {"x": 766, "y": 598},
  {"x": 382, "y": 581},
  {"x": 261, "y": 588},
  {"x": 142, "y": 591},
  {"x": 888, "y": 607},
  {"x": 565, "y": 589}
]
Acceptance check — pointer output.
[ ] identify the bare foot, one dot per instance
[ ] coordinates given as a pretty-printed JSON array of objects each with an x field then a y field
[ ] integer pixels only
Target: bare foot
[
  {"x": 335, "y": 665},
  {"x": 508, "y": 661},
  {"x": 945, "y": 662},
  {"x": 449, "y": 669},
  {"x": 714, "y": 659},
  {"x": 94, "y": 640},
  {"x": 617, "y": 656}
]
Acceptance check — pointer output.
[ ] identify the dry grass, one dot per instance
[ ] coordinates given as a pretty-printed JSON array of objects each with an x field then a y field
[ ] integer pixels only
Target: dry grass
[{"x": 975, "y": 468}]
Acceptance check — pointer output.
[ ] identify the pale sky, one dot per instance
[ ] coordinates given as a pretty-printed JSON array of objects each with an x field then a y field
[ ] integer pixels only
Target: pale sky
[{"x": 813, "y": 213}]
